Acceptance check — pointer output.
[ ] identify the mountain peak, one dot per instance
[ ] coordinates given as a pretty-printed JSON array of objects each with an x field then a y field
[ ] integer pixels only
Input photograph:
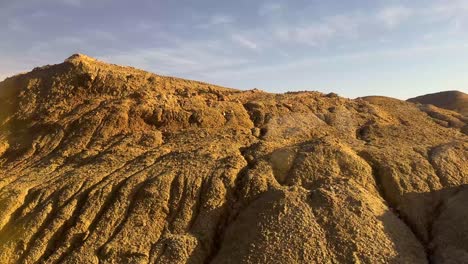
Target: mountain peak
[{"x": 78, "y": 57}]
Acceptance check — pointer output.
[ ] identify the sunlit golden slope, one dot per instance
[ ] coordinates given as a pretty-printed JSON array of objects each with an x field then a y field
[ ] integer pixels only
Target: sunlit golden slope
[{"x": 107, "y": 164}]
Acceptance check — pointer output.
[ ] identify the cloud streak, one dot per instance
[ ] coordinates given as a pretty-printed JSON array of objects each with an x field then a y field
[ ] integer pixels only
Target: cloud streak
[
  {"x": 352, "y": 27},
  {"x": 379, "y": 55},
  {"x": 269, "y": 8},
  {"x": 216, "y": 42},
  {"x": 217, "y": 20},
  {"x": 220, "y": 19},
  {"x": 393, "y": 16},
  {"x": 191, "y": 58},
  {"x": 244, "y": 41}
]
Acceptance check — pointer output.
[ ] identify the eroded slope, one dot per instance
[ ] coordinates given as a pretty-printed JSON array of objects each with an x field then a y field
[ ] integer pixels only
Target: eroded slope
[{"x": 109, "y": 164}]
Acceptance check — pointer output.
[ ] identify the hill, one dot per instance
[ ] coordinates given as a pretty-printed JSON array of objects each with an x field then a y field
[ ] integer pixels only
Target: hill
[
  {"x": 107, "y": 164},
  {"x": 451, "y": 100}
]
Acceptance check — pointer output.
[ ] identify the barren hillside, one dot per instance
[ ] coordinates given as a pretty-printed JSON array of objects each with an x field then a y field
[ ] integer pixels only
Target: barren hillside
[
  {"x": 107, "y": 164},
  {"x": 451, "y": 100}
]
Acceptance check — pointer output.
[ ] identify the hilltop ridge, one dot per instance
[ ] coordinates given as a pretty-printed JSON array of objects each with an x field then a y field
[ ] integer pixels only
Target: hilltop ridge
[{"x": 452, "y": 100}]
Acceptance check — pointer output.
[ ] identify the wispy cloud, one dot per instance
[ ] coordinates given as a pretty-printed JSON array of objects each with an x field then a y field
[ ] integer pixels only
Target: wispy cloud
[
  {"x": 182, "y": 59},
  {"x": 393, "y": 16},
  {"x": 331, "y": 27},
  {"x": 454, "y": 12},
  {"x": 56, "y": 44},
  {"x": 355, "y": 25},
  {"x": 376, "y": 55},
  {"x": 312, "y": 35},
  {"x": 244, "y": 41},
  {"x": 269, "y": 8},
  {"x": 72, "y": 2},
  {"x": 453, "y": 8},
  {"x": 73, "y": 43},
  {"x": 217, "y": 20},
  {"x": 316, "y": 33},
  {"x": 220, "y": 19},
  {"x": 210, "y": 40},
  {"x": 16, "y": 25}
]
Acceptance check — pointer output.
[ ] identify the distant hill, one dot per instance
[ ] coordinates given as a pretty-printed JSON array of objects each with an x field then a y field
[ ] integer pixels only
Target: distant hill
[{"x": 451, "y": 100}]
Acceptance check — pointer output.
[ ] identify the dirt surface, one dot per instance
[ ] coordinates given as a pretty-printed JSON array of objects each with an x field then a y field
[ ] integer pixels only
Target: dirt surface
[{"x": 107, "y": 164}]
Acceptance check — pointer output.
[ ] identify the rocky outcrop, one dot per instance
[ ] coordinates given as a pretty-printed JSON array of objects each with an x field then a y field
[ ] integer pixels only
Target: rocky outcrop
[{"x": 107, "y": 164}]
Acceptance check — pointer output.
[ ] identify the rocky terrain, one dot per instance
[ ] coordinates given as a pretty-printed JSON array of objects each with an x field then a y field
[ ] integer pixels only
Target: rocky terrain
[{"x": 107, "y": 164}]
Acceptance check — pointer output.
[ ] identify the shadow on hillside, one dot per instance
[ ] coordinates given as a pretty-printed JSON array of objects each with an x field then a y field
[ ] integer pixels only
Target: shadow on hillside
[{"x": 408, "y": 239}]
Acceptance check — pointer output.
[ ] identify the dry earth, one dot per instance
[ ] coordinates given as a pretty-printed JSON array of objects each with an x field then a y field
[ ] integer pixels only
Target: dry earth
[{"x": 107, "y": 164}]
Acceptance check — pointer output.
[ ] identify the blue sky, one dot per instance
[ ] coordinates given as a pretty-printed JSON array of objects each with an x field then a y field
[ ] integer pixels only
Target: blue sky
[{"x": 354, "y": 48}]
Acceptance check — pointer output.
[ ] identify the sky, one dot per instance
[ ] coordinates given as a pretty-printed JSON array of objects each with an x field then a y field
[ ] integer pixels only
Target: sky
[{"x": 354, "y": 48}]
